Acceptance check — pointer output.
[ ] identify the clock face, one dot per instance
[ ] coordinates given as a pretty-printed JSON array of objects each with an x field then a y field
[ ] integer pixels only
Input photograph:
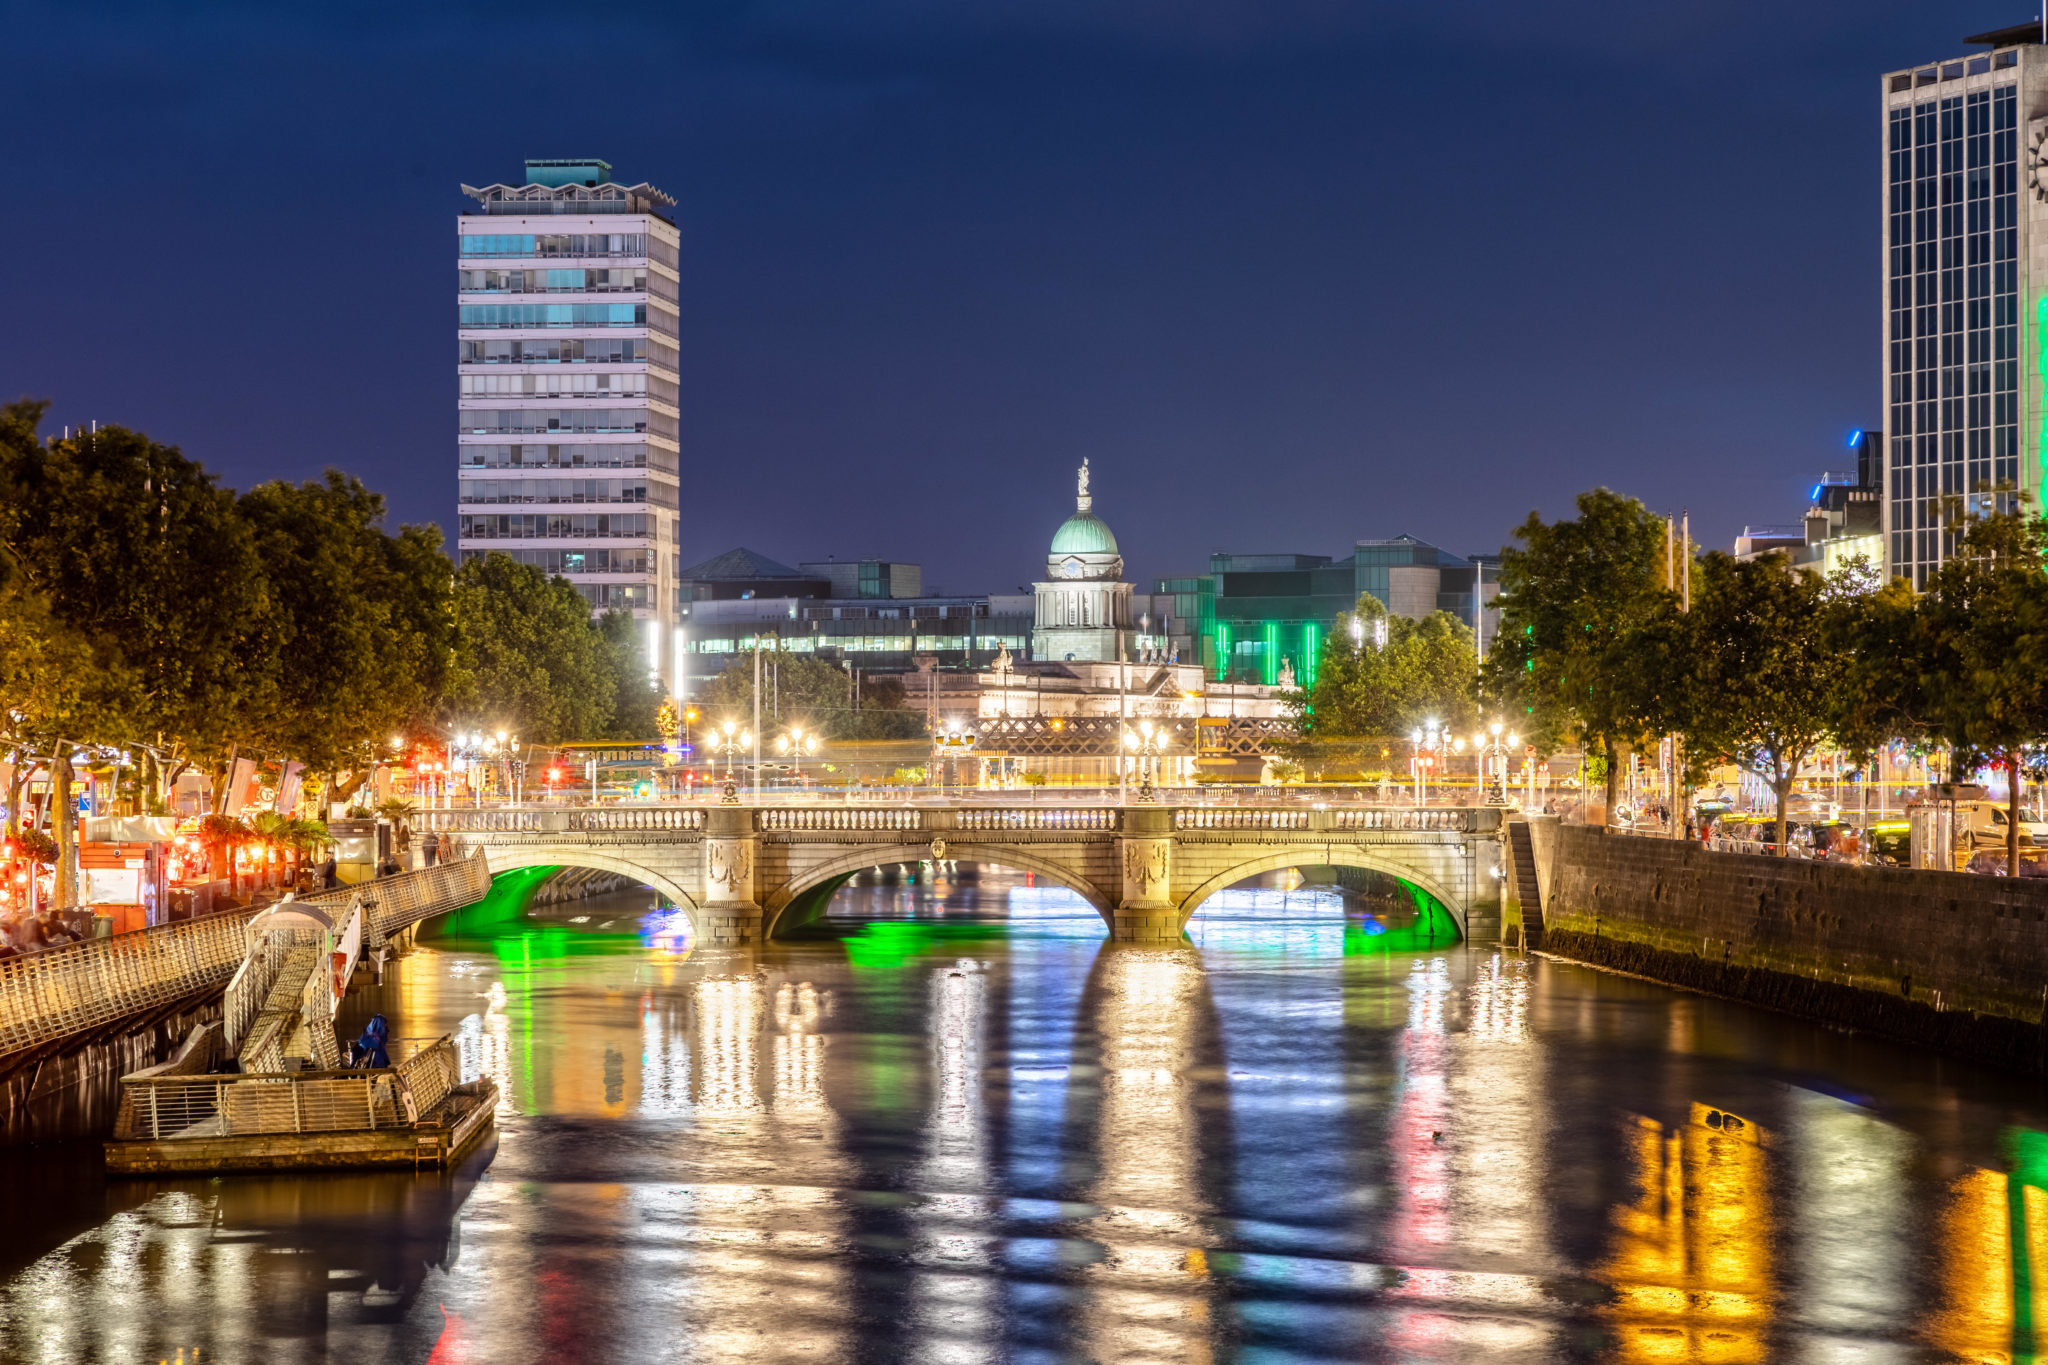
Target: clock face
[{"x": 1071, "y": 568}]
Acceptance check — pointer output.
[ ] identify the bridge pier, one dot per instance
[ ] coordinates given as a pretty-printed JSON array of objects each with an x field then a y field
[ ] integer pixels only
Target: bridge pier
[
  {"x": 1145, "y": 911},
  {"x": 730, "y": 916}
]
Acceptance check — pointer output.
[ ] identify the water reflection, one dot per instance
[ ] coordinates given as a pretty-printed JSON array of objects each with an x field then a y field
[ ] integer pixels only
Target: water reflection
[
  {"x": 957, "y": 1126},
  {"x": 1147, "y": 1296}
]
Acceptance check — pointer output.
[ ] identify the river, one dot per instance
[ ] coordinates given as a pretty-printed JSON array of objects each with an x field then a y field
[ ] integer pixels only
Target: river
[{"x": 955, "y": 1125}]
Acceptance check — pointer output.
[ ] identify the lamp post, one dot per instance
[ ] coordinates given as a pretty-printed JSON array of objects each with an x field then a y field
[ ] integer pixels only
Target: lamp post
[
  {"x": 1146, "y": 743},
  {"x": 729, "y": 739},
  {"x": 1428, "y": 742},
  {"x": 796, "y": 743},
  {"x": 951, "y": 743},
  {"x": 1493, "y": 750}
]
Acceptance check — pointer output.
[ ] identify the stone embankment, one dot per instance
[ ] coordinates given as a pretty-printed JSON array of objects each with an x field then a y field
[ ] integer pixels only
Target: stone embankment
[{"x": 1945, "y": 959}]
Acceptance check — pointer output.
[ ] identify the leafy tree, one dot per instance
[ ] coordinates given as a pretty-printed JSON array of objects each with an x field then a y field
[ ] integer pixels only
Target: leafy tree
[
  {"x": 1983, "y": 650},
  {"x": 530, "y": 658},
  {"x": 1424, "y": 671},
  {"x": 138, "y": 550},
  {"x": 638, "y": 691},
  {"x": 802, "y": 689},
  {"x": 1881, "y": 687},
  {"x": 1761, "y": 678},
  {"x": 1581, "y": 602},
  {"x": 363, "y": 621}
]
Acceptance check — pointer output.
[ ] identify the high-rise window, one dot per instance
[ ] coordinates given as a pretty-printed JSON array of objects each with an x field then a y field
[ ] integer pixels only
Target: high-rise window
[{"x": 1953, "y": 346}]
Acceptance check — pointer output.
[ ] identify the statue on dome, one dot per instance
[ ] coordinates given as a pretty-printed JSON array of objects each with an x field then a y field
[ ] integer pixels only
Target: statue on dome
[{"x": 1084, "y": 476}]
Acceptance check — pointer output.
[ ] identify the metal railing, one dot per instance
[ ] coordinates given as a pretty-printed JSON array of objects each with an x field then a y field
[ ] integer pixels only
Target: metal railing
[
  {"x": 1037, "y": 817},
  {"x": 827, "y": 817},
  {"x": 159, "y": 1107},
  {"x": 51, "y": 995}
]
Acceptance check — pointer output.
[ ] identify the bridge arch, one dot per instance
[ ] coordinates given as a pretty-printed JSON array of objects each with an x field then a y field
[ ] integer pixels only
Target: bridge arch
[
  {"x": 1327, "y": 855},
  {"x": 504, "y": 859},
  {"x": 775, "y": 903}
]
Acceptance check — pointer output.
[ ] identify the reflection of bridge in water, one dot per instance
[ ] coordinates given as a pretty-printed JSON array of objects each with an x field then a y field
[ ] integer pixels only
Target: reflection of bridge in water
[{"x": 745, "y": 873}]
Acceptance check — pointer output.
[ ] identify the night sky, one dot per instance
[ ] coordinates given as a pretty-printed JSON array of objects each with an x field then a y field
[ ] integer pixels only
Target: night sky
[{"x": 1290, "y": 273}]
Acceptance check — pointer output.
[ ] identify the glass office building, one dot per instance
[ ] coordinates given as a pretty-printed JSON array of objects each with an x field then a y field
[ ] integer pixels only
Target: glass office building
[
  {"x": 1960, "y": 197},
  {"x": 1255, "y": 614},
  {"x": 567, "y": 384}
]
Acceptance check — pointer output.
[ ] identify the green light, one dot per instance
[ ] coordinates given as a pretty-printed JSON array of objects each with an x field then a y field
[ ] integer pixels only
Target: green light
[
  {"x": 1269, "y": 666},
  {"x": 2041, "y": 363},
  {"x": 1311, "y": 652}
]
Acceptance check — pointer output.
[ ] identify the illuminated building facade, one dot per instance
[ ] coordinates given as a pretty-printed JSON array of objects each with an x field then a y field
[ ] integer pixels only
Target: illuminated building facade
[
  {"x": 1254, "y": 616},
  {"x": 1965, "y": 199},
  {"x": 567, "y": 379}
]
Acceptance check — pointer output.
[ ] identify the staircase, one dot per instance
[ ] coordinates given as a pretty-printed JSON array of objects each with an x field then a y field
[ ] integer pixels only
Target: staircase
[{"x": 1528, "y": 889}]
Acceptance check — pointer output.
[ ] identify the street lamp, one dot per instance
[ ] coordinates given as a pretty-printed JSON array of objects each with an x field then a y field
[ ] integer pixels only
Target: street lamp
[
  {"x": 729, "y": 739},
  {"x": 1429, "y": 742},
  {"x": 796, "y": 743},
  {"x": 951, "y": 743},
  {"x": 1493, "y": 751},
  {"x": 1146, "y": 743}
]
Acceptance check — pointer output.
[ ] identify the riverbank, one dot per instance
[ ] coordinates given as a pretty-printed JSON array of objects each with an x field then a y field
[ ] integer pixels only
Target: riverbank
[{"x": 1940, "y": 959}]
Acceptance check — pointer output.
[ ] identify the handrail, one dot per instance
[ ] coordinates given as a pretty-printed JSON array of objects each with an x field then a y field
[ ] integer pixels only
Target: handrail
[{"x": 54, "y": 994}]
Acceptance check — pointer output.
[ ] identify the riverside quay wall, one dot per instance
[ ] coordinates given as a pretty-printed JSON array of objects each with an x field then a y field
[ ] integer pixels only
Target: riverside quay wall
[{"x": 1947, "y": 959}]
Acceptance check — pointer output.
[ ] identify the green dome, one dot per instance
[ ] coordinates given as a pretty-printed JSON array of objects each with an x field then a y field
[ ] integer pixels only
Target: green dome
[{"x": 1084, "y": 533}]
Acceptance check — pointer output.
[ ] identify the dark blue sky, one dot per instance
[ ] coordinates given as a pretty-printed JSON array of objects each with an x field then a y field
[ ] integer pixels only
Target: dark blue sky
[{"x": 1290, "y": 273}]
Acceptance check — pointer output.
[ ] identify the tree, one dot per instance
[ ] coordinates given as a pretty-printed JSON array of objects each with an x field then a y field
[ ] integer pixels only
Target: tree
[
  {"x": 138, "y": 550},
  {"x": 634, "y": 683},
  {"x": 802, "y": 689},
  {"x": 1761, "y": 679},
  {"x": 1982, "y": 651},
  {"x": 1579, "y": 602},
  {"x": 1424, "y": 671},
  {"x": 530, "y": 659},
  {"x": 363, "y": 620}
]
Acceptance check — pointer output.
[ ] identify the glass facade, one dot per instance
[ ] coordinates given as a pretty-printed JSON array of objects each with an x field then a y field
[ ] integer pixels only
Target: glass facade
[
  {"x": 1952, "y": 260},
  {"x": 553, "y": 561},
  {"x": 556, "y": 526},
  {"x": 554, "y": 244},
  {"x": 554, "y": 315}
]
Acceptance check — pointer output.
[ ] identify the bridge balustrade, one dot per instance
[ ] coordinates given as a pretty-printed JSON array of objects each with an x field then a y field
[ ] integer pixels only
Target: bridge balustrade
[
  {"x": 1450, "y": 820},
  {"x": 1227, "y": 817},
  {"x": 504, "y": 820},
  {"x": 613, "y": 818},
  {"x": 827, "y": 818},
  {"x": 1036, "y": 817}
]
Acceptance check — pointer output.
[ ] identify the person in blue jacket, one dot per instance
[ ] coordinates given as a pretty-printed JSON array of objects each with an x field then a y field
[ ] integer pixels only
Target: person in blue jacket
[{"x": 370, "y": 1048}]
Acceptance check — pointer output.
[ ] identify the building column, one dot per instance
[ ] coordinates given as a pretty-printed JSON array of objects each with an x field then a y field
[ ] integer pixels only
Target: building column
[
  {"x": 731, "y": 916},
  {"x": 1145, "y": 912}
]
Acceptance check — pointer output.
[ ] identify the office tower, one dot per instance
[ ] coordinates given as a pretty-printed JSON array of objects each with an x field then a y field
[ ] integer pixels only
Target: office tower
[
  {"x": 568, "y": 379},
  {"x": 1962, "y": 215}
]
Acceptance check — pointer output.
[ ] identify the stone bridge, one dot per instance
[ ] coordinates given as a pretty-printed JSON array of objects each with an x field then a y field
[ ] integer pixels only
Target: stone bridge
[{"x": 744, "y": 872}]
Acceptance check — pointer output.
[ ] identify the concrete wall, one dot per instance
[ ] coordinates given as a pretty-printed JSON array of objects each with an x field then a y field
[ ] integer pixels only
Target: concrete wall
[{"x": 1945, "y": 958}]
